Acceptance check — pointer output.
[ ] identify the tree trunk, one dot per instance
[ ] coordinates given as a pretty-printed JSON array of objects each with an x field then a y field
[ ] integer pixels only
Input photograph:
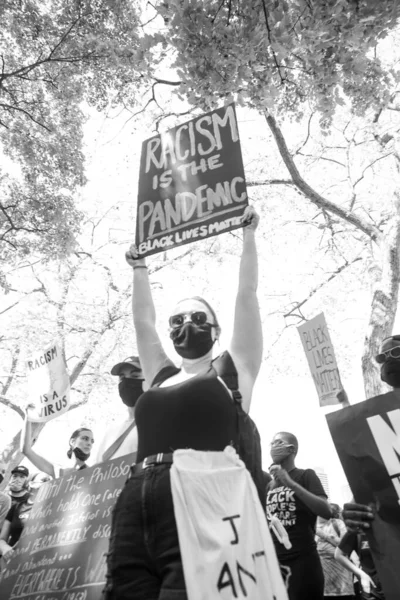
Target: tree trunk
[
  {"x": 386, "y": 289},
  {"x": 383, "y": 308}
]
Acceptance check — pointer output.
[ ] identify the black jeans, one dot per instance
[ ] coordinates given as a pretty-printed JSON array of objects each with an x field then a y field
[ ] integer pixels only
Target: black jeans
[
  {"x": 306, "y": 580},
  {"x": 144, "y": 560}
]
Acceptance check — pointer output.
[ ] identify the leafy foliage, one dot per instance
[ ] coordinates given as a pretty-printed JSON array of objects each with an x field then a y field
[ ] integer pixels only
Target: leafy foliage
[
  {"x": 280, "y": 54},
  {"x": 54, "y": 57}
]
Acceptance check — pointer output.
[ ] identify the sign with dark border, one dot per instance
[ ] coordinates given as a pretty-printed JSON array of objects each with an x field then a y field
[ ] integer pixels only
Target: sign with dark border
[
  {"x": 61, "y": 554},
  {"x": 367, "y": 439},
  {"x": 191, "y": 183}
]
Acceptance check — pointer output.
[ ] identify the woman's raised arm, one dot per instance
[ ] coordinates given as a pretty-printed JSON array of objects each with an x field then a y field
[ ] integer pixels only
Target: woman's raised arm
[
  {"x": 247, "y": 342},
  {"x": 151, "y": 353},
  {"x": 40, "y": 462}
]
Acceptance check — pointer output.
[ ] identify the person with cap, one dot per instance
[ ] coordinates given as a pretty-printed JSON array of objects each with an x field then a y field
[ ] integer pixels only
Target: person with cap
[
  {"x": 19, "y": 494},
  {"x": 121, "y": 439},
  {"x": 18, "y": 514},
  {"x": 358, "y": 517},
  {"x": 18, "y": 485}
]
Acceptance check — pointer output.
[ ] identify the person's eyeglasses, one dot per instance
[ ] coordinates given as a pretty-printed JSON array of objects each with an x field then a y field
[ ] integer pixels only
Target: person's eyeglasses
[
  {"x": 198, "y": 317},
  {"x": 392, "y": 353},
  {"x": 276, "y": 443}
]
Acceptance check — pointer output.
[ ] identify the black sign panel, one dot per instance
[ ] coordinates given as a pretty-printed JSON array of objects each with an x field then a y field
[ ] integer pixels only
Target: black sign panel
[
  {"x": 191, "y": 183},
  {"x": 367, "y": 439},
  {"x": 61, "y": 554}
]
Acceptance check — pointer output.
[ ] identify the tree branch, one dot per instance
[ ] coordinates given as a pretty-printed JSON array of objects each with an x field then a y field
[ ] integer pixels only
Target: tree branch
[
  {"x": 270, "y": 182},
  {"x": 14, "y": 363},
  {"x": 26, "y": 113},
  {"x": 298, "y": 305},
  {"x": 370, "y": 230},
  {"x": 12, "y": 405}
]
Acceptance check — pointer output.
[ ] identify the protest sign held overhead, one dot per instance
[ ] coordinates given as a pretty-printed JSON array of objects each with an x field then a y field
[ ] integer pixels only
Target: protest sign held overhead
[
  {"x": 367, "y": 440},
  {"x": 191, "y": 183},
  {"x": 61, "y": 554},
  {"x": 321, "y": 359},
  {"x": 48, "y": 384}
]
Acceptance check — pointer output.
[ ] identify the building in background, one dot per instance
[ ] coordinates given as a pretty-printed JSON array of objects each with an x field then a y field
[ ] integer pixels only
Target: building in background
[
  {"x": 320, "y": 471},
  {"x": 347, "y": 494}
]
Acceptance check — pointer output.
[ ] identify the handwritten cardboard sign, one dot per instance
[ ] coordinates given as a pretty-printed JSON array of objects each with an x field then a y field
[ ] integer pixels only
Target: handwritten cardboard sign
[
  {"x": 61, "y": 554},
  {"x": 191, "y": 183},
  {"x": 48, "y": 384},
  {"x": 321, "y": 359},
  {"x": 367, "y": 440}
]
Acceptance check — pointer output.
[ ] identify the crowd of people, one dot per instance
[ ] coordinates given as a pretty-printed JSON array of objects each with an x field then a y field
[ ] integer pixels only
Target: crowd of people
[{"x": 201, "y": 409}]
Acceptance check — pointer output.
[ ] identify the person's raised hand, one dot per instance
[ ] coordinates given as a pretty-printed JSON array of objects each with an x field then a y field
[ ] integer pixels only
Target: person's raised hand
[
  {"x": 343, "y": 397},
  {"x": 8, "y": 553},
  {"x": 281, "y": 475},
  {"x": 29, "y": 409},
  {"x": 132, "y": 257},
  {"x": 357, "y": 516},
  {"x": 250, "y": 218}
]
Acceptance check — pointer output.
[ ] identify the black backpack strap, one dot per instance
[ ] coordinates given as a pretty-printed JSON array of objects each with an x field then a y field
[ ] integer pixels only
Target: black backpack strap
[
  {"x": 164, "y": 374},
  {"x": 225, "y": 368}
]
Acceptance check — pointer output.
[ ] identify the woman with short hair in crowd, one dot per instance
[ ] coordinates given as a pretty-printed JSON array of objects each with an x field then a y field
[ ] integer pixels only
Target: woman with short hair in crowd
[{"x": 296, "y": 497}]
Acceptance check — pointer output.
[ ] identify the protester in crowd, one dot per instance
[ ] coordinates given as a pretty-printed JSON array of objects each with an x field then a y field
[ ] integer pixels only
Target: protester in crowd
[
  {"x": 5, "y": 499},
  {"x": 17, "y": 516},
  {"x": 296, "y": 497},
  {"x": 121, "y": 439},
  {"x": 357, "y": 516},
  {"x": 188, "y": 407},
  {"x": 369, "y": 585},
  {"x": 18, "y": 485},
  {"x": 338, "y": 581},
  {"x": 80, "y": 445}
]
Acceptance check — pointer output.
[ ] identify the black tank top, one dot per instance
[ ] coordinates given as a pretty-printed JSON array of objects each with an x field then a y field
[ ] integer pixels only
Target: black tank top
[{"x": 197, "y": 413}]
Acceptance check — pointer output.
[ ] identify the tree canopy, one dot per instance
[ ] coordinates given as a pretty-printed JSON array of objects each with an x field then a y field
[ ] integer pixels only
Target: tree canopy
[
  {"x": 55, "y": 56},
  {"x": 280, "y": 54}
]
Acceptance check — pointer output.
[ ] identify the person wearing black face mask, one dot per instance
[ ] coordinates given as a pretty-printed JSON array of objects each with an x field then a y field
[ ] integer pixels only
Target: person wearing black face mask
[
  {"x": 80, "y": 446},
  {"x": 121, "y": 439},
  {"x": 185, "y": 407},
  {"x": 296, "y": 497},
  {"x": 358, "y": 517}
]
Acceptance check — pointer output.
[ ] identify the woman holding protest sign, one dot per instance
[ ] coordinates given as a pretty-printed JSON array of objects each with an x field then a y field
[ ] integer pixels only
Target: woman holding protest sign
[
  {"x": 80, "y": 445},
  {"x": 190, "y": 407}
]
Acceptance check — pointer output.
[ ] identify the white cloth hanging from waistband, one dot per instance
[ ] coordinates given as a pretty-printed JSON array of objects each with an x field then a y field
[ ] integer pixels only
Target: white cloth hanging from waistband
[{"x": 226, "y": 547}]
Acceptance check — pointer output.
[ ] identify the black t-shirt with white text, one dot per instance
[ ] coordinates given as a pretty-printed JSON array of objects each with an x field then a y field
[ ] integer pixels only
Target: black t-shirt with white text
[
  {"x": 298, "y": 520},
  {"x": 17, "y": 516}
]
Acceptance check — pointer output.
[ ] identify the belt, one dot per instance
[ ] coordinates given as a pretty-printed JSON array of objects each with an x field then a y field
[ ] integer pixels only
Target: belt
[{"x": 153, "y": 461}]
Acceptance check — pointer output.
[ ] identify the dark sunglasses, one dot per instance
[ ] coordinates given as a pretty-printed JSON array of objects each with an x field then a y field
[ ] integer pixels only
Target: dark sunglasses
[
  {"x": 392, "y": 353},
  {"x": 198, "y": 317}
]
